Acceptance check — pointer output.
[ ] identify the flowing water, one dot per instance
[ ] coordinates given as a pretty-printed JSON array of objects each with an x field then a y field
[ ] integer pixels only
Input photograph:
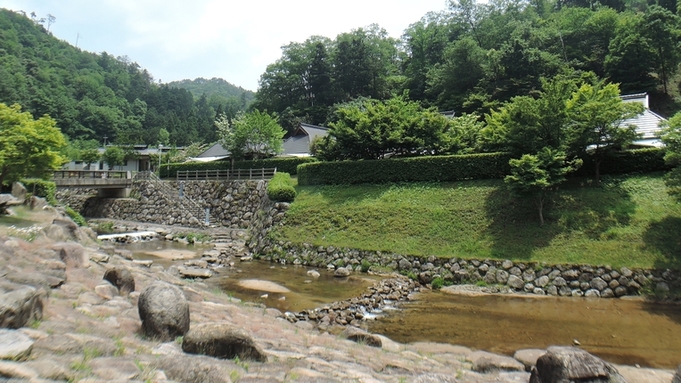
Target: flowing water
[{"x": 626, "y": 331}]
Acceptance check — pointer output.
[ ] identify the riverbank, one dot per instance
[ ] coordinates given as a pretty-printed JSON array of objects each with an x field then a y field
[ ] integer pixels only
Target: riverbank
[{"x": 90, "y": 331}]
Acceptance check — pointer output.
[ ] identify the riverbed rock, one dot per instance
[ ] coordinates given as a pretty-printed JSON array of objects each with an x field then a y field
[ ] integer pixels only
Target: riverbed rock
[
  {"x": 14, "y": 345},
  {"x": 341, "y": 272},
  {"x": 164, "y": 311},
  {"x": 566, "y": 364},
  {"x": 484, "y": 361},
  {"x": 358, "y": 335},
  {"x": 192, "y": 272},
  {"x": 313, "y": 273},
  {"x": 223, "y": 341},
  {"x": 19, "y": 305},
  {"x": 121, "y": 278}
]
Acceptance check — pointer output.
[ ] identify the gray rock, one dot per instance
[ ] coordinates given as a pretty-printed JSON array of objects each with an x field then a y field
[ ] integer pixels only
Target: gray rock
[
  {"x": 14, "y": 345},
  {"x": 106, "y": 290},
  {"x": 598, "y": 284},
  {"x": 36, "y": 279},
  {"x": 486, "y": 361},
  {"x": 568, "y": 364},
  {"x": 19, "y": 305},
  {"x": 570, "y": 274},
  {"x": 164, "y": 311},
  {"x": 538, "y": 291},
  {"x": 607, "y": 293},
  {"x": 341, "y": 272},
  {"x": 515, "y": 282},
  {"x": 559, "y": 282},
  {"x": 552, "y": 290},
  {"x": 193, "y": 369},
  {"x": 121, "y": 278},
  {"x": 677, "y": 375},
  {"x": 19, "y": 191},
  {"x": 191, "y": 272},
  {"x": 592, "y": 293},
  {"x": 626, "y": 272},
  {"x": 17, "y": 371},
  {"x": 506, "y": 264},
  {"x": 222, "y": 340},
  {"x": 502, "y": 276},
  {"x": 360, "y": 336},
  {"x": 529, "y": 275},
  {"x": 620, "y": 291},
  {"x": 541, "y": 281}
]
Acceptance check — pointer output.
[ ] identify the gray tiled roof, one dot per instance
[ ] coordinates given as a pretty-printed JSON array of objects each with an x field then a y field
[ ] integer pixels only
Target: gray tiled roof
[
  {"x": 648, "y": 122},
  {"x": 299, "y": 142},
  {"x": 214, "y": 151}
]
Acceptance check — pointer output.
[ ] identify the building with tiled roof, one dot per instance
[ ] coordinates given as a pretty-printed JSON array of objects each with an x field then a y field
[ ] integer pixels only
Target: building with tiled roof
[
  {"x": 647, "y": 123},
  {"x": 298, "y": 143}
]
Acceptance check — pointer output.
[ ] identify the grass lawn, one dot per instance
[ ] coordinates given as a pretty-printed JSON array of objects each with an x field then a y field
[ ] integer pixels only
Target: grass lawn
[{"x": 627, "y": 221}]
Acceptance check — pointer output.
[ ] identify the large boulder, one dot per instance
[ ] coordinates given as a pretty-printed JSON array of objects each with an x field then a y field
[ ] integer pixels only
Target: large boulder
[
  {"x": 14, "y": 345},
  {"x": 121, "y": 278},
  {"x": 164, "y": 311},
  {"x": 222, "y": 340},
  {"x": 19, "y": 305},
  {"x": 19, "y": 191},
  {"x": 569, "y": 364}
]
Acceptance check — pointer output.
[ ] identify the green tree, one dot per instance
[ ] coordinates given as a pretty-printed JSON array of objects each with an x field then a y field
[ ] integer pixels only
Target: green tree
[
  {"x": 28, "y": 147},
  {"x": 114, "y": 156},
  {"x": 256, "y": 134},
  {"x": 663, "y": 29},
  {"x": 89, "y": 156},
  {"x": 537, "y": 175},
  {"x": 596, "y": 115},
  {"x": 671, "y": 136}
]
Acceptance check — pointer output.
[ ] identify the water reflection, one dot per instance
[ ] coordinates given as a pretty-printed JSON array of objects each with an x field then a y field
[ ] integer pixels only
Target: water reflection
[{"x": 618, "y": 330}]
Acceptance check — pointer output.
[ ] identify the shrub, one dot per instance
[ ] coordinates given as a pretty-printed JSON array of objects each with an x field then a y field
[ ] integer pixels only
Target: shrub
[
  {"x": 416, "y": 169},
  {"x": 280, "y": 188},
  {"x": 41, "y": 188},
  {"x": 75, "y": 216},
  {"x": 627, "y": 161}
]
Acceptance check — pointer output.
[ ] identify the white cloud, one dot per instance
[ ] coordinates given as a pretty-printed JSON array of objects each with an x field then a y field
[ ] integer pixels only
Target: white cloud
[{"x": 235, "y": 40}]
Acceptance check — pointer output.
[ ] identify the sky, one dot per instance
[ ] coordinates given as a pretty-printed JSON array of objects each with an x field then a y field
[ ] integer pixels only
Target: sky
[{"x": 233, "y": 40}]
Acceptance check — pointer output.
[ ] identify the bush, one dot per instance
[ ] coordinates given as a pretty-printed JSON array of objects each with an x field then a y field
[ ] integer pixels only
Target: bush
[
  {"x": 286, "y": 165},
  {"x": 280, "y": 188},
  {"x": 41, "y": 188},
  {"x": 626, "y": 162},
  {"x": 417, "y": 169},
  {"x": 75, "y": 216}
]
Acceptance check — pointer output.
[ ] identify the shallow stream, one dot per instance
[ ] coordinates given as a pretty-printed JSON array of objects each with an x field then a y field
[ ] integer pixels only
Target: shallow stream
[{"x": 626, "y": 331}]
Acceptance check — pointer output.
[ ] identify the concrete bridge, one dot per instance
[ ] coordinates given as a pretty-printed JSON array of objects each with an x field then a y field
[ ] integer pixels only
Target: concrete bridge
[{"x": 111, "y": 183}]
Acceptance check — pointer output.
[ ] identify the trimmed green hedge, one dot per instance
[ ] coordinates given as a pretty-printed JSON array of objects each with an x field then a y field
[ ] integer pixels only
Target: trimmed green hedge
[
  {"x": 286, "y": 165},
  {"x": 280, "y": 188},
  {"x": 628, "y": 161},
  {"x": 41, "y": 188},
  {"x": 417, "y": 169}
]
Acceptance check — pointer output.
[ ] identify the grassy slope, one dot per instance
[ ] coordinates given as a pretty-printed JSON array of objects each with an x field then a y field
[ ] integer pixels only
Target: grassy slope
[{"x": 627, "y": 221}]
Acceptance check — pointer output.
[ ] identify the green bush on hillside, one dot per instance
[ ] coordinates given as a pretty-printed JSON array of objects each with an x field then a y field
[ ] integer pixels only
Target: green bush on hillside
[
  {"x": 627, "y": 162},
  {"x": 280, "y": 188},
  {"x": 41, "y": 188},
  {"x": 416, "y": 169},
  {"x": 286, "y": 165}
]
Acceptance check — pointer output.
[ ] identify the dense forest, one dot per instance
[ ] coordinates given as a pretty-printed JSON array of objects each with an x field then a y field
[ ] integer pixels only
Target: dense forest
[
  {"x": 473, "y": 57},
  {"x": 98, "y": 97}
]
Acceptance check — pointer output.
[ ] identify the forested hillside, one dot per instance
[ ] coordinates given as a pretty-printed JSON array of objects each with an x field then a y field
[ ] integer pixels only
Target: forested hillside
[
  {"x": 93, "y": 96},
  {"x": 473, "y": 57},
  {"x": 215, "y": 87}
]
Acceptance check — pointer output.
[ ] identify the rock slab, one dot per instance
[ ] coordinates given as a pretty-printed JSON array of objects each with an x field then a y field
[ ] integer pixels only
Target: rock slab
[
  {"x": 14, "y": 345},
  {"x": 223, "y": 341}
]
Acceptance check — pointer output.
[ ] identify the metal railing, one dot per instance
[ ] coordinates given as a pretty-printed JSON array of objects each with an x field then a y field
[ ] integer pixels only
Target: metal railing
[
  {"x": 100, "y": 174},
  {"x": 229, "y": 174}
]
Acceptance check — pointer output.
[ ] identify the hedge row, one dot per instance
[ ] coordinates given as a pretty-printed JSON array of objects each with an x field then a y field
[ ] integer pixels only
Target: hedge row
[
  {"x": 41, "y": 188},
  {"x": 417, "y": 169},
  {"x": 280, "y": 188},
  {"x": 628, "y": 161},
  {"x": 285, "y": 165},
  {"x": 462, "y": 167}
]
